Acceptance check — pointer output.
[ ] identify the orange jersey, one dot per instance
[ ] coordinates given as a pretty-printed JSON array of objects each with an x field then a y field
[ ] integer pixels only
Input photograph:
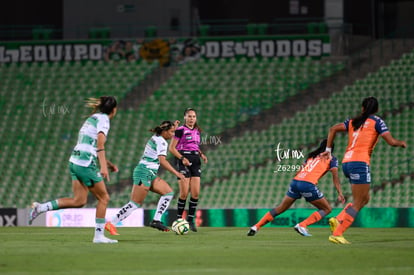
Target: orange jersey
[
  {"x": 361, "y": 142},
  {"x": 315, "y": 168}
]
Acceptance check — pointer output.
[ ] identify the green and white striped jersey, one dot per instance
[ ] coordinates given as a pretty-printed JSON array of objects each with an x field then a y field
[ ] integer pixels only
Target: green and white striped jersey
[
  {"x": 85, "y": 150},
  {"x": 156, "y": 146}
]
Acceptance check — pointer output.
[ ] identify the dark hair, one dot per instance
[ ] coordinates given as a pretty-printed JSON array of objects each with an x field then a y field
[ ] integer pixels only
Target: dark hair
[
  {"x": 105, "y": 104},
  {"x": 164, "y": 126},
  {"x": 369, "y": 107},
  {"x": 321, "y": 149},
  {"x": 195, "y": 125}
]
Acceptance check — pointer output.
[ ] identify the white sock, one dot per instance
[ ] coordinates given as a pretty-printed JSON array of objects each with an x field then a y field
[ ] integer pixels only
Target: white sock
[
  {"x": 43, "y": 207},
  {"x": 125, "y": 211},
  {"x": 162, "y": 206},
  {"x": 99, "y": 227}
]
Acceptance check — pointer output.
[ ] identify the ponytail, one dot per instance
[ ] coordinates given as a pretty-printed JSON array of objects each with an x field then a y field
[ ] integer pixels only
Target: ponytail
[
  {"x": 369, "y": 107},
  {"x": 164, "y": 126},
  {"x": 104, "y": 104}
]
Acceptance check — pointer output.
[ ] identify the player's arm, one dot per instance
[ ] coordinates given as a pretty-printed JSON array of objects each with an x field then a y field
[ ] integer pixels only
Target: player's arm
[
  {"x": 101, "y": 155},
  {"x": 340, "y": 127},
  {"x": 165, "y": 164},
  {"x": 337, "y": 184},
  {"x": 203, "y": 156},
  {"x": 393, "y": 141},
  {"x": 173, "y": 149}
]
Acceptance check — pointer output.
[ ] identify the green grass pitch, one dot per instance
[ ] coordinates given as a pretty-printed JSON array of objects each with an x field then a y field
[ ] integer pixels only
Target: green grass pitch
[{"x": 39, "y": 250}]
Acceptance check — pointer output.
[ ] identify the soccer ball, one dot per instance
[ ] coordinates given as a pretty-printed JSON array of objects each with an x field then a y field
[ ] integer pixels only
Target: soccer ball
[{"x": 180, "y": 227}]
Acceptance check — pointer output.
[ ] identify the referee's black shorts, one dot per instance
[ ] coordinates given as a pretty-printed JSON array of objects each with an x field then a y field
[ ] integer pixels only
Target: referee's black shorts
[{"x": 194, "y": 170}]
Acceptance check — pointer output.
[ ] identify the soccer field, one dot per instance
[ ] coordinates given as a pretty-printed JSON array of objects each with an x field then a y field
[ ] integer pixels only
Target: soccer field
[{"x": 39, "y": 250}]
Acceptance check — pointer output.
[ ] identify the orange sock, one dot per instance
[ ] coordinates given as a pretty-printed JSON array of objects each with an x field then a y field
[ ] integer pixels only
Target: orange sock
[
  {"x": 348, "y": 219},
  {"x": 340, "y": 216},
  {"x": 311, "y": 219},
  {"x": 264, "y": 220}
]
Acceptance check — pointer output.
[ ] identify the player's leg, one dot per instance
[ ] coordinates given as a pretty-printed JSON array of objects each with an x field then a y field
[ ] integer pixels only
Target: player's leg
[
  {"x": 138, "y": 194},
  {"x": 270, "y": 216},
  {"x": 80, "y": 192},
  {"x": 335, "y": 221},
  {"x": 184, "y": 185},
  {"x": 192, "y": 208},
  {"x": 161, "y": 187},
  {"x": 101, "y": 194},
  {"x": 142, "y": 179},
  {"x": 323, "y": 209},
  {"x": 79, "y": 199},
  {"x": 82, "y": 179},
  {"x": 291, "y": 196},
  {"x": 360, "y": 194},
  {"x": 360, "y": 186}
]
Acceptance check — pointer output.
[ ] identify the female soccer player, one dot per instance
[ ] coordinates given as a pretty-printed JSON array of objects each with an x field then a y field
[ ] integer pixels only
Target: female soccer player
[
  {"x": 185, "y": 147},
  {"x": 83, "y": 169},
  {"x": 363, "y": 132},
  {"x": 305, "y": 184},
  {"x": 145, "y": 178}
]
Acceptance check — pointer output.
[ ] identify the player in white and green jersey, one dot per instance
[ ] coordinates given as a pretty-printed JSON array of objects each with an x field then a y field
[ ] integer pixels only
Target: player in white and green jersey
[
  {"x": 145, "y": 178},
  {"x": 83, "y": 167},
  {"x": 84, "y": 152}
]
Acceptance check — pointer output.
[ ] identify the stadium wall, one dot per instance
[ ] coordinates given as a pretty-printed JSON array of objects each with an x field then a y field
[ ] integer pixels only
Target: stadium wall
[
  {"x": 171, "y": 50},
  {"x": 84, "y": 217}
]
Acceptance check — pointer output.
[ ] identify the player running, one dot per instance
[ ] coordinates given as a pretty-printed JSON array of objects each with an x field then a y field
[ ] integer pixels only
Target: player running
[
  {"x": 363, "y": 132},
  {"x": 83, "y": 169},
  {"x": 145, "y": 178},
  {"x": 304, "y": 184}
]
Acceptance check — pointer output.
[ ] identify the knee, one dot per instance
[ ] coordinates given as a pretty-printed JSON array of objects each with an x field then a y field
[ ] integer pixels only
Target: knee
[
  {"x": 366, "y": 199},
  {"x": 104, "y": 199},
  {"x": 327, "y": 210},
  {"x": 183, "y": 194},
  {"x": 80, "y": 202},
  {"x": 195, "y": 194},
  {"x": 361, "y": 202}
]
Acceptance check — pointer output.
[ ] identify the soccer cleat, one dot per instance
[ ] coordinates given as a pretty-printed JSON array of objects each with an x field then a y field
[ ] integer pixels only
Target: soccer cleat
[
  {"x": 158, "y": 225},
  {"x": 192, "y": 226},
  {"x": 333, "y": 224},
  {"x": 302, "y": 230},
  {"x": 34, "y": 212},
  {"x": 338, "y": 239},
  {"x": 111, "y": 228},
  {"x": 251, "y": 232},
  {"x": 103, "y": 239}
]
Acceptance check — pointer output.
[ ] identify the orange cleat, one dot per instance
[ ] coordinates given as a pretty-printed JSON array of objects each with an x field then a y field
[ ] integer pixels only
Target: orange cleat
[{"x": 111, "y": 228}]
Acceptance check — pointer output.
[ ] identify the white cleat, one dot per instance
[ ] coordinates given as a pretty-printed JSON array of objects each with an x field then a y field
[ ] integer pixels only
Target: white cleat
[
  {"x": 103, "y": 239},
  {"x": 34, "y": 212},
  {"x": 302, "y": 230}
]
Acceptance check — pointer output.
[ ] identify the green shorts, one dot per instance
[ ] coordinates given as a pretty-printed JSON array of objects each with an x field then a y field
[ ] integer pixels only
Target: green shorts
[
  {"x": 144, "y": 175},
  {"x": 87, "y": 175}
]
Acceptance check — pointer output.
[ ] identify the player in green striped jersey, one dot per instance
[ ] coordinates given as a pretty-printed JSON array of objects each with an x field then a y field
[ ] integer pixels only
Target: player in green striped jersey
[
  {"x": 146, "y": 179},
  {"x": 85, "y": 174}
]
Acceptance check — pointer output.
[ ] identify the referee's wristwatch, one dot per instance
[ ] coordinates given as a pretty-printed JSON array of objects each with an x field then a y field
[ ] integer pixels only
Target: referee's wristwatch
[{"x": 182, "y": 157}]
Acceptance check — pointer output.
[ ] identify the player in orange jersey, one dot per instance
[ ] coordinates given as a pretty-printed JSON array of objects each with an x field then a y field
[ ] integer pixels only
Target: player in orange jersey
[
  {"x": 304, "y": 184},
  {"x": 363, "y": 133}
]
